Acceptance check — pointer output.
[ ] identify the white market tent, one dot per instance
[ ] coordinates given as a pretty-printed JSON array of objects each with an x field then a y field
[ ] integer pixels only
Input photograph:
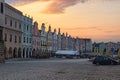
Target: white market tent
[{"x": 67, "y": 52}]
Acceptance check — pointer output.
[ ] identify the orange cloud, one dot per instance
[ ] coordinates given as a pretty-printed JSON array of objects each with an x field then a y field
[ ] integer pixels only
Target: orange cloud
[
  {"x": 55, "y": 6},
  {"x": 58, "y": 6}
]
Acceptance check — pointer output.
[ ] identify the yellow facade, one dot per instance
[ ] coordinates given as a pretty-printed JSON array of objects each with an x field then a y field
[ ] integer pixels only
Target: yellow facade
[
  {"x": 108, "y": 53},
  {"x": 96, "y": 51},
  {"x": 119, "y": 52}
]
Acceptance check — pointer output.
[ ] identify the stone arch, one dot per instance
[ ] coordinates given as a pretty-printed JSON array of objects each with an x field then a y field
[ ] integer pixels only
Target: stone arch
[
  {"x": 10, "y": 52},
  {"x": 24, "y": 53},
  {"x": 15, "y": 52},
  {"x": 104, "y": 51},
  {"x": 27, "y": 53},
  {"x": 5, "y": 53},
  {"x": 19, "y": 53},
  {"x": 33, "y": 52},
  {"x": 30, "y": 52}
]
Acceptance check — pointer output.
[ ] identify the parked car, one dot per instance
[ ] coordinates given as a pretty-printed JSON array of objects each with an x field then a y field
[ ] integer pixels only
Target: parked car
[{"x": 104, "y": 60}]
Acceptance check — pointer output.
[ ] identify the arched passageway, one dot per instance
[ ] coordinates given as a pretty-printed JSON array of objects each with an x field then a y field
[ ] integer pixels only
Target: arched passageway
[
  {"x": 24, "y": 53},
  {"x": 10, "y": 53},
  {"x": 15, "y": 53},
  {"x": 33, "y": 53},
  {"x": 27, "y": 53},
  {"x": 19, "y": 53},
  {"x": 5, "y": 53},
  {"x": 30, "y": 52}
]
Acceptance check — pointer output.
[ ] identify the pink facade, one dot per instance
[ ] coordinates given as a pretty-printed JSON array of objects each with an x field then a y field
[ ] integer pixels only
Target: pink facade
[
  {"x": 35, "y": 38},
  {"x": 63, "y": 41}
]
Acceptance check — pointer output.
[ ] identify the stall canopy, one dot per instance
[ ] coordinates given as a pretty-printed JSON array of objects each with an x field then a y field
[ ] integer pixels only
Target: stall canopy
[{"x": 67, "y": 52}]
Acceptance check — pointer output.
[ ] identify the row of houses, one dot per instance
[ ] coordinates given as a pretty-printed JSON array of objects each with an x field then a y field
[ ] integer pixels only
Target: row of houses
[
  {"x": 49, "y": 42},
  {"x": 109, "y": 48},
  {"x": 23, "y": 39}
]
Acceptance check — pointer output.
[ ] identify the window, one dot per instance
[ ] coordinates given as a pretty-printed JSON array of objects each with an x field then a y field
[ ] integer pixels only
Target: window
[
  {"x": 5, "y": 20},
  {"x": 30, "y": 40},
  {"x": 24, "y": 29},
  {"x": 19, "y": 39},
  {"x": 24, "y": 40},
  {"x": 33, "y": 42},
  {"x": 1, "y": 7},
  {"x": 15, "y": 24},
  {"x": 10, "y": 37},
  {"x": 10, "y": 22},
  {"x": 19, "y": 25},
  {"x": 5, "y": 37},
  {"x": 27, "y": 39},
  {"x": 15, "y": 39},
  {"x": 27, "y": 27}
]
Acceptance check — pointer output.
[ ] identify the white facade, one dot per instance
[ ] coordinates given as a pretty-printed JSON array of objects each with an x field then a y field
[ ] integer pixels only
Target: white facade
[
  {"x": 59, "y": 41},
  {"x": 12, "y": 31}
]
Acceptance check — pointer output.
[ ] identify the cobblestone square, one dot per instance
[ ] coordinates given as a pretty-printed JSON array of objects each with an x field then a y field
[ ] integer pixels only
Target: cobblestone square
[{"x": 57, "y": 69}]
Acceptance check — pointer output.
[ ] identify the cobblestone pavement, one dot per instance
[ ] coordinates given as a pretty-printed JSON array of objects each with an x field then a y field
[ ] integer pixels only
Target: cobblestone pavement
[{"x": 57, "y": 69}]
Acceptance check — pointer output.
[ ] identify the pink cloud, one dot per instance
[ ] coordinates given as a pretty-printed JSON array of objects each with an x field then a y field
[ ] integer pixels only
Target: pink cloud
[
  {"x": 22, "y": 2},
  {"x": 55, "y": 7}
]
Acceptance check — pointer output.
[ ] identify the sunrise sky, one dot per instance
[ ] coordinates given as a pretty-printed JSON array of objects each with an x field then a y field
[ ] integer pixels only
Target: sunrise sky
[{"x": 95, "y": 19}]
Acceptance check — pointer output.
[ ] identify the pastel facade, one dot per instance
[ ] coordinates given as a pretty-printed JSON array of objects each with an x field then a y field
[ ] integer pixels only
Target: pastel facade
[
  {"x": 43, "y": 39},
  {"x": 27, "y": 37},
  {"x": 119, "y": 52},
  {"x": 66, "y": 41},
  {"x": 63, "y": 41},
  {"x": 70, "y": 46},
  {"x": 77, "y": 44},
  {"x": 85, "y": 46},
  {"x": 54, "y": 47},
  {"x": 59, "y": 40},
  {"x": 102, "y": 48},
  {"x": 108, "y": 48},
  {"x": 88, "y": 45},
  {"x": 99, "y": 49},
  {"x": 36, "y": 44},
  {"x": 12, "y": 32},
  {"x": 22, "y": 40},
  {"x": 82, "y": 46},
  {"x": 49, "y": 40}
]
